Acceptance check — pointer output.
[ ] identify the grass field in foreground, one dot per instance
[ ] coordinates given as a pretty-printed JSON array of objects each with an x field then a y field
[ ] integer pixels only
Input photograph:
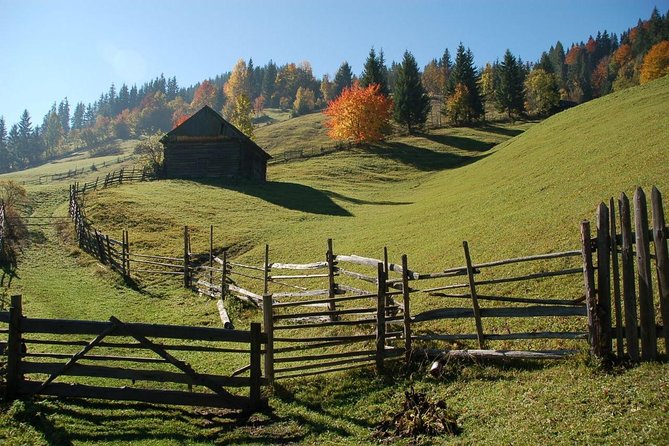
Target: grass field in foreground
[{"x": 420, "y": 195}]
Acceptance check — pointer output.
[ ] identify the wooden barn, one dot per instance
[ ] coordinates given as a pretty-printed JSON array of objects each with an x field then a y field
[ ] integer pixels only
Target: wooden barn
[{"x": 208, "y": 146}]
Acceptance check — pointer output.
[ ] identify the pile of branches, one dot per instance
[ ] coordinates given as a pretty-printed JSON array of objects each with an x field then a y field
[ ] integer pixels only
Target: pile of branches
[{"x": 418, "y": 417}]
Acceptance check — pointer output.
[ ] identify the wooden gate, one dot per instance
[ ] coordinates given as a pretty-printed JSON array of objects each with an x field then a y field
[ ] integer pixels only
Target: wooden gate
[
  {"x": 36, "y": 349},
  {"x": 619, "y": 279}
]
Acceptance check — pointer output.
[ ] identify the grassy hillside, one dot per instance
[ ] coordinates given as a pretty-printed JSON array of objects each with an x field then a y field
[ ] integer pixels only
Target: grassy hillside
[{"x": 417, "y": 195}]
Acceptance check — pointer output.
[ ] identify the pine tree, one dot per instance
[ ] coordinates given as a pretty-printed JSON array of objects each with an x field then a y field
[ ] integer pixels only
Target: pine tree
[
  {"x": 463, "y": 72},
  {"x": 343, "y": 78},
  {"x": 269, "y": 83},
  {"x": 64, "y": 116},
  {"x": 557, "y": 56},
  {"x": 124, "y": 98},
  {"x": 545, "y": 64},
  {"x": 411, "y": 102},
  {"x": 26, "y": 150},
  {"x": 78, "y": 116},
  {"x": 4, "y": 152},
  {"x": 373, "y": 73},
  {"x": 509, "y": 86}
]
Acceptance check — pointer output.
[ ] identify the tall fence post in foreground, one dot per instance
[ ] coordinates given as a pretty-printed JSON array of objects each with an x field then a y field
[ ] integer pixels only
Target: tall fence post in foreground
[
  {"x": 661, "y": 261},
  {"x": 594, "y": 324},
  {"x": 615, "y": 268},
  {"x": 646, "y": 308},
  {"x": 329, "y": 257},
  {"x": 256, "y": 373},
  {"x": 269, "y": 332},
  {"x": 629, "y": 291},
  {"x": 266, "y": 271},
  {"x": 381, "y": 319},
  {"x": 603, "y": 301},
  {"x": 14, "y": 376}
]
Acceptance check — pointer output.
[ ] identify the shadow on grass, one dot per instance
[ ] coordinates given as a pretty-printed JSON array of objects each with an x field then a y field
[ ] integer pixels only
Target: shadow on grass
[
  {"x": 429, "y": 160},
  {"x": 94, "y": 421},
  {"x": 461, "y": 142},
  {"x": 491, "y": 128}
]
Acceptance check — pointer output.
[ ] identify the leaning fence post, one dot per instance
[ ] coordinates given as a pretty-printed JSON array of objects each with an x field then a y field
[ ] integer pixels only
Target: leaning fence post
[
  {"x": 661, "y": 261},
  {"x": 14, "y": 377},
  {"x": 266, "y": 271},
  {"x": 474, "y": 296},
  {"x": 268, "y": 319},
  {"x": 646, "y": 308},
  {"x": 603, "y": 303},
  {"x": 256, "y": 373},
  {"x": 380, "y": 319},
  {"x": 407, "y": 312}
]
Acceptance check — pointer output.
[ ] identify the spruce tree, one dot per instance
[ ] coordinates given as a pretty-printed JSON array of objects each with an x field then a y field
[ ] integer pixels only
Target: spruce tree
[
  {"x": 64, "y": 115},
  {"x": 373, "y": 73},
  {"x": 463, "y": 72},
  {"x": 4, "y": 152},
  {"x": 411, "y": 102},
  {"x": 509, "y": 86},
  {"x": 343, "y": 78}
]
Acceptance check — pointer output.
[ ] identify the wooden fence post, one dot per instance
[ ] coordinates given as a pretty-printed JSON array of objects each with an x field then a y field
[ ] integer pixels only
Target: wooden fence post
[
  {"x": 407, "y": 312},
  {"x": 475, "y": 301},
  {"x": 603, "y": 301},
  {"x": 224, "y": 275},
  {"x": 646, "y": 308},
  {"x": 268, "y": 319},
  {"x": 211, "y": 256},
  {"x": 186, "y": 259},
  {"x": 661, "y": 261},
  {"x": 615, "y": 267},
  {"x": 332, "y": 286},
  {"x": 380, "y": 319},
  {"x": 629, "y": 288},
  {"x": 266, "y": 271},
  {"x": 589, "y": 282},
  {"x": 14, "y": 377},
  {"x": 124, "y": 255},
  {"x": 256, "y": 373}
]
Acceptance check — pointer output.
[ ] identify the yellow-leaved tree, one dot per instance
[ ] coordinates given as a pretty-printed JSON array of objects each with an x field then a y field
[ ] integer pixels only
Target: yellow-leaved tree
[
  {"x": 359, "y": 115},
  {"x": 655, "y": 62}
]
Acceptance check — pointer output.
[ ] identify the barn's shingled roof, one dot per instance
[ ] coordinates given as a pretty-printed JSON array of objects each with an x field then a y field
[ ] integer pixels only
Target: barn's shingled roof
[{"x": 207, "y": 124}]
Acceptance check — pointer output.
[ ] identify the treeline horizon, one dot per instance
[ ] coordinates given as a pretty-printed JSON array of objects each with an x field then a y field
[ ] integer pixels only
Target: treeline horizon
[{"x": 584, "y": 71}]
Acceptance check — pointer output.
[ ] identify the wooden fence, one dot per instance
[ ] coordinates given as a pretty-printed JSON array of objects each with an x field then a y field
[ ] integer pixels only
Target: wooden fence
[
  {"x": 72, "y": 173},
  {"x": 290, "y": 155},
  {"x": 619, "y": 279},
  {"x": 40, "y": 351}
]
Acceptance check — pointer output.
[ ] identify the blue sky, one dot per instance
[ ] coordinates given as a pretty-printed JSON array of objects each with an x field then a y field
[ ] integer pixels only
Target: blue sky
[{"x": 53, "y": 49}]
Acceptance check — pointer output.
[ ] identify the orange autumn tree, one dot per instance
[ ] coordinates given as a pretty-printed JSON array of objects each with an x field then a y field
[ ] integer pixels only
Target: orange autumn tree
[
  {"x": 359, "y": 114},
  {"x": 655, "y": 62}
]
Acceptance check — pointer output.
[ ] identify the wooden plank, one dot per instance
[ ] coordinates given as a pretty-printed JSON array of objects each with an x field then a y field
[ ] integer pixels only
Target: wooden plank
[
  {"x": 62, "y": 326},
  {"x": 351, "y": 338},
  {"x": 534, "y": 311},
  {"x": 358, "y": 276},
  {"x": 255, "y": 298},
  {"x": 661, "y": 261},
  {"x": 303, "y": 294},
  {"x": 358, "y": 260},
  {"x": 268, "y": 326},
  {"x": 406, "y": 299},
  {"x": 303, "y": 358},
  {"x": 590, "y": 287},
  {"x": 615, "y": 268},
  {"x": 553, "y": 255},
  {"x": 13, "y": 376},
  {"x": 171, "y": 397},
  {"x": 603, "y": 302},
  {"x": 646, "y": 307},
  {"x": 256, "y": 373},
  {"x": 326, "y": 324},
  {"x": 148, "y": 262},
  {"x": 319, "y": 365},
  {"x": 381, "y": 318},
  {"x": 340, "y": 312},
  {"x": 527, "y": 300},
  {"x": 500, "y": 354},
  {"x": 181, "y": 365},
  {"x": 332, "y": 286},
  {"x": 96, "y": 371},
  {"x": 298, "y": 266},
  {"x": 299, "y": 276},
  {"x": 136, "y": 345},
  {"x": 629, "y": 287},
  {"x": 88, "y": 347},
  {"x": 472, "y": 290},
  {"x": 506, "y": 337},
  {"x": 320, "y": 372},
  {"x": 225, "y": 319},
  {"x": 317, "y": 345}
]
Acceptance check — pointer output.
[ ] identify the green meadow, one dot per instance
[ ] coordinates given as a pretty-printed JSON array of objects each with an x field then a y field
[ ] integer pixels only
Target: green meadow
[{"x": 509, "y": 189}]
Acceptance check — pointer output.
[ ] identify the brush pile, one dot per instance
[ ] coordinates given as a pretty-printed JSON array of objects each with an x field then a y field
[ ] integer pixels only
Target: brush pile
[{"x": 419, "y": 417}]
